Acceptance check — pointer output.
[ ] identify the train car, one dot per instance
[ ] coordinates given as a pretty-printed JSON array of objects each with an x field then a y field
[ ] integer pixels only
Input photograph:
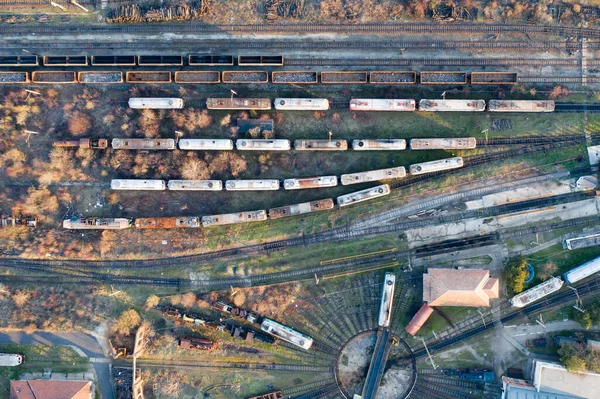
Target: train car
[
  {"x": 387, "y": 297},
  {"x": 379, "y": 145},
  {"x": 252, "y": 185},
  {"x": 261, "y": 104},
  {"x": 83, "y": 143},
  {"x": 10, "y": 359},
  {"x": 143, "y": 144},
  {"x": 155, "y": 103},
  {"x": 310, "y": 182},
  {"x": 477, "y": 375},
  {"x": 271, "y": 395},
  {"x": 96, "y": 223},
  {"x": 13, "y": 221},
  {"x": 194, "y": 318},
  {"x": 197, "y": 343},
  {"x": 521, "y": 106},
  {"x": 195, "y": 185},
  {"x": 138, "y": 184},
  {"x": 583, "y": 271},
  {"x": 299, "y": 209},
  {"x": 301, "y": 104},
  {"x": 536, "y": 293},
  {"x": 206, "y": 144},
  {"x": 286, "y": 333},
  {"x": 320, "y": 145},
  {"x": 167, "y": 223},
  {"x": 363, "y": 195},
  {"x": 467, "y": 143},
  {"x": 373, "y": 175},
  {"x": 436, "y": 166},
  {"x": 359, "y": 104},
  {"x": 582, "y": 242},
  {"x": 263, "y": 145},
  {"x": 233, "y": 218},
  {"x": 452, "y": 105}
]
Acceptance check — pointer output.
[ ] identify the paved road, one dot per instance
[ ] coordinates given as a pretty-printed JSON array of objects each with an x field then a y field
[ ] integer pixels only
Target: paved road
[{"x": 85, "y": 342}]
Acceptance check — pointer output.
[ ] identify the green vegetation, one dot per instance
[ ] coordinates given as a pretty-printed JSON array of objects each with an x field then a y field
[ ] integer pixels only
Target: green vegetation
[
  {"x": 38, "y": 358},
  {"x": 514, "y": 275},
  {"x": 590, "y": 317},
  {"x": 577, "y": 358},
  {"x": 563, "y": 260}
]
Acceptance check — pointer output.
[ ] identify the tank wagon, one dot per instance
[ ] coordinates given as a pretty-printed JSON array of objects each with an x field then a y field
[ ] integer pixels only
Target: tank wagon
[
  {"x": 299, "y": 209},
  {"x": 452, "y": 105},
  {"x": 83, "y": 143},
  {"x": 10, "y": 359},
  {"x": 302, "y": 104},
  {"x": 252, "y": 185},
  {"x": 379, "y": 145},
  {"x": 320, "y": 145},
  {"x": 143, "y": 144},
  {"x": 155, "y": 103},
  {"x": 521, "y": 106},
  {"x": 138, "y": 184},
  {"x": 373, "y": 175},
  {"x": 436, "y": 166},
  {"x": 239, "y": 103},
  {"x": 205, "y": 144},
  {"x": 536, "y": 293},
  {"x": 310, "y": 182},
  {"x": 360, "y": 104},
  {"x": 363, "y": 195},
  {"x": 387, "y": 297},
  {"x": 232, "y": 218},
  {"x": 167, "y": 223},
  {"x": 286, "y": 333},
  {"x": 467, "y": 143},
  {"x": 271, "y": 395},
  {"x": 262, "y": 145},
  {"x": 583, "y": 271},
  {"x": 195, "y": 185},
  {"x": 96, "y": 223},
  {"x": 197, "y": 343}
]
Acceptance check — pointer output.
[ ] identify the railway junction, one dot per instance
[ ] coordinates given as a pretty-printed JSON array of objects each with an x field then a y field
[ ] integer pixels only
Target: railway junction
[{"x": 304, "y": 210}]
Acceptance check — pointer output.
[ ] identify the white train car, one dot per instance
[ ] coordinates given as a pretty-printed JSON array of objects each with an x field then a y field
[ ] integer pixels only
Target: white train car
[
  {"x": 360, "y": 104},
  {"x": 155, "y": 103},
  {"x": 538, "y": 292},
  {"x": 310, "y": 182},
  {"x": 239, "y": 103},
  {"x": 206, "y": 144},
  {"x": 467, "y": 143},
  {"x": 379, "y": 145},
  {"x": 373, "y": 175},
  {"x": 143, "y": 144},
  {"x": 302, "y": 104},
  {"x": 521, "y": 106},
  {"x": 387, "y": 297},
  {"x": 263, "y": 145},
  {"x": 299, "y": 209},
  {"x": 320, "y": 145},
  {"x": 286, "y": 333},
  {"x": 452, "y": 105},
  {"x": 195, "y": 185},
  {"x": 96, "y": 223},
  {"x": 435, "y": 166},
  {"x": 583, "y": 271},
  {"x": 252, "y": 185},
  {"x": 234, "y": 218},
  {"x": 10, "y": 359},
  {"x": 138, "y": 184},
  {"x": 363, "y": 195},
  {"x": 582, "y": 242}
]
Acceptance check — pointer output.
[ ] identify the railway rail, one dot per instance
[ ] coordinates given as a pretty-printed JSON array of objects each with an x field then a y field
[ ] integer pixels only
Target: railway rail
[{"x": 231, "y": 365}]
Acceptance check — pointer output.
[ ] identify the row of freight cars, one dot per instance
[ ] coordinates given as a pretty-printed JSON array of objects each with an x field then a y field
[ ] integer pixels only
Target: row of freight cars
[
  {"x": 271, "y": 327},
  {"x": 320, "y": 104},
  {"x": 555, "y": 283},
  {"x": 289, "y": 184},
  {"x": 272, "y": 144}
]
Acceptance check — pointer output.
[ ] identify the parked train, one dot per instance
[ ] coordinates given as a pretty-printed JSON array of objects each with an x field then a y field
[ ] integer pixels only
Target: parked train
[
  {"x": 467, "y": 143},
  {"x": 155, "y": 103},
  {"x": 10, "y": 359},
  {"x": 555, "y": 283},
  {"x": 286, "y": 333},
  {"x": 387, "y": 297},
  {"x": 434, "y": 105}
]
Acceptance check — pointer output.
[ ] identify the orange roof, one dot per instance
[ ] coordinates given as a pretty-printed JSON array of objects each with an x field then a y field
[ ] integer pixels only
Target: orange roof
[
  {"x": 50, "y": 389},
  {"x": 449, "y": 287}
]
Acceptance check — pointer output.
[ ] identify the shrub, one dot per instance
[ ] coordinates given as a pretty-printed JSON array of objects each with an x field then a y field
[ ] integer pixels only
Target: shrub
[
  {"x": 514, "y": 276},
  {"x": 79, "y": 123}
]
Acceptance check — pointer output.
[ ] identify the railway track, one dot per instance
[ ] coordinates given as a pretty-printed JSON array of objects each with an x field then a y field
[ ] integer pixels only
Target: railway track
[
  {"x": 307, "y": 388},
  {"x": 229, "y": 365},
  {"x": 409, "y": 62}
]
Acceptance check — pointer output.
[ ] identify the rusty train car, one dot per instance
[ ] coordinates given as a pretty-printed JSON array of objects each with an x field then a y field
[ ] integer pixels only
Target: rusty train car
[
  {"x": 260, "y": 104},
  {"x": 13, "y": 221},
  {"x": 233, "y": 218},
  {"x": 143, "y": 144},
  {"x": 168, "y": 223},
  {"x": 83, "y": 143},
  {"x": 320, "y": 145},
  {"x": 97, "y": 223},
  {"x": 197, "y": 343},
  {"x": 299, "y": 209}
]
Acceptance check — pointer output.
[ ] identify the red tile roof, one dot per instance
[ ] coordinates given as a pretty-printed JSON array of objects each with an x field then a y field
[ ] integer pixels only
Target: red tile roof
[
  {"x": 50, "y": 389},
  {"x": 449, "y": 287}
]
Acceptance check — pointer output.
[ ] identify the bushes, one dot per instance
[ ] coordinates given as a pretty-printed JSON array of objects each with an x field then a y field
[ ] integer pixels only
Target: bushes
[
  {"x": 577, "y": 358},
  {"x": 514, "y": 276},
  {"x": 128, "y": 320}
]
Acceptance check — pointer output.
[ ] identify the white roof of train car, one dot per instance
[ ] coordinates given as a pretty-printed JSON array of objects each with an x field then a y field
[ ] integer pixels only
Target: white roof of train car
[
  {"x": 380, "y": 144},
  {"x": 263, "y": 144},
  {"x": 443, "y": 143},
  {"x": 286, "y": 333},
  {"x": 231, "y": 218},
  {"x": 521, "y": 105},
  {"x": 156, "y": 103},
  {"x": 205, "y": 144},
  {"x": 452, "y": 105},
  {"x": 137, "y": 184},
  {"x": 367, "y": 104},
  {"x": 537, "y": 292},
  {"x": 265, "y": 184},
  {"x": 195, "y": 185},
  {"x": 433, "y": 166},
  {"x": 583, "y": 271},
  {"x": 321, "y": 181},
  {"x": 10, "y": 359},
  {"x": 143, "y": 144},
  {"x": 302, "y": 103},
  {"x": 363, "y": 195},
  {"x": 373, "y": 175}
]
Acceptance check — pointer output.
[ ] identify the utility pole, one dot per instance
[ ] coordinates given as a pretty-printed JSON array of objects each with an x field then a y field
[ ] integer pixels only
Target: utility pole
[
  {"x": 316, "y": 279},
  {"x": 330, "y": 134},
  {"x": 429, "y": 354},
  {"x": 540, "y": 321},
  {"x": 578, "y": 304},
  {"x": 482, "y": 318},
  {"x": 486, "y": 134},
  {"x": 232, "y": 94}
]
